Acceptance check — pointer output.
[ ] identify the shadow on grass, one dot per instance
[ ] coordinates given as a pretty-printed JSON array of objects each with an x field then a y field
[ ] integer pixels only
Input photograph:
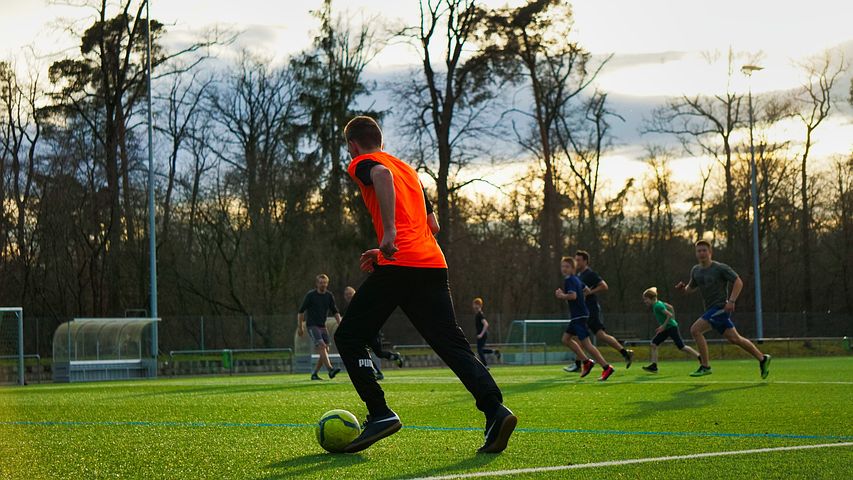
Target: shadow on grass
[
  {"x": 688, "y": 398},
  {"x": 314, "y": 464},
  {"x": 465, "y": 465}
]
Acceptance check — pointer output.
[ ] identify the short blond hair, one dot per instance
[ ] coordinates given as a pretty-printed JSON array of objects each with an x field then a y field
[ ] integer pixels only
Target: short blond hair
[
  {"x": 651, "y": 293},
  {"x": 322, "y": 276},
  {"x": 478, "y": 301}
]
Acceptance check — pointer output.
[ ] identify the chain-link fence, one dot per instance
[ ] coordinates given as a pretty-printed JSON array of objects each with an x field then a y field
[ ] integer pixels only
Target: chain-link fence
[{"x": 206, "y": 332}]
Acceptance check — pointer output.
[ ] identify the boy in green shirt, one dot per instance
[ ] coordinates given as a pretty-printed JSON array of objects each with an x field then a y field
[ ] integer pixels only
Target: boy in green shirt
[{"x": 668, "y": 328}]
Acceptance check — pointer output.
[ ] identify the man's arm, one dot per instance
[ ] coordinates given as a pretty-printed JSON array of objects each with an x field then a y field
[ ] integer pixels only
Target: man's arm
[
  {"x": 600, "y": 288},
  {"x": 334, "y": 308},
  {"x": 432, "y": 222},
  {"x": 300, "y": 323},
  {"x": 689, "y": 287},
  {"x": 383, "y": 183},
  {"x": 737, "y": 286},
  {"x": 485, "y": 328}
]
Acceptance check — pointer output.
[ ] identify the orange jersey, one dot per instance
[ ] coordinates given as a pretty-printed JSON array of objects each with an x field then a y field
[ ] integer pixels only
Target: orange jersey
[{"x": 417, "y": 246}]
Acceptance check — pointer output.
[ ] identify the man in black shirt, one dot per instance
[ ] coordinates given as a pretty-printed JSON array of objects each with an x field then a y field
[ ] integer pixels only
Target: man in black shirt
[
  {"x": 596, "y": 285},
  {"x": 319, "y": 303},
  {"x": 482, "y": 327}
]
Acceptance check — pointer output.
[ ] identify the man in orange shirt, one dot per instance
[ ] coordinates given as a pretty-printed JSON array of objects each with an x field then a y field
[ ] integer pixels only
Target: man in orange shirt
[{"x": 408, "y": 270}]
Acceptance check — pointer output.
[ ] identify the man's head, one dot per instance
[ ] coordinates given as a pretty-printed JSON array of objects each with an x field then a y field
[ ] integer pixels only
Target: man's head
[
  {"x": 478, "y": 304},
  {"x": 703, "y": 251},
  {"x": 322, "y": 282},
  {"x": 567, "y": 266},
  {"x": 349, "y": 292},
  {"x": 363, "y": 135},
  {"x": 582, "y": 259}
]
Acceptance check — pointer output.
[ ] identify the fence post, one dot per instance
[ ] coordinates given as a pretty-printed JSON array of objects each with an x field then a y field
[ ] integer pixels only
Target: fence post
[
  {"x": 251, "y": 334},
  {"x": 201, "y": 324}
]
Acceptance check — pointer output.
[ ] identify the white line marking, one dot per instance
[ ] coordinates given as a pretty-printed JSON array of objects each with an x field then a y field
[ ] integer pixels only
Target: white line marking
[{"x": 615, "y": 463}]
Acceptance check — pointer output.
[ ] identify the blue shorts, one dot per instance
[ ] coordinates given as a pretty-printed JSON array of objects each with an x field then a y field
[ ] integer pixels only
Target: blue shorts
[
  {"x": 577, "y": 327},
  {"x": 720, "y": 319}
]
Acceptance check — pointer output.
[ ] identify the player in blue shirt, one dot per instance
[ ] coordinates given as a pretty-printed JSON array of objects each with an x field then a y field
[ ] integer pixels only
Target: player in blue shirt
[{"x": 577, "y": 333}]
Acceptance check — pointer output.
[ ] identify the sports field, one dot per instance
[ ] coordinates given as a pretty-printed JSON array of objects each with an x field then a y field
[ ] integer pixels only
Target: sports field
[{"x": 261, "y": 427}]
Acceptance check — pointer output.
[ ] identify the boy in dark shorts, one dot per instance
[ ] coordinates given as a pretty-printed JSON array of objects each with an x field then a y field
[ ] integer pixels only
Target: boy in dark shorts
[
  {"x": 668, "y": 328},
  {"x": 407, "y": 270},
  {"x": 482, "y": 327},
  {"x": 596, "y": 285},
  {"x": 572, "y": 292},
  {"x": 712, "y": 280},
  {"x": 318, "y": 303}
]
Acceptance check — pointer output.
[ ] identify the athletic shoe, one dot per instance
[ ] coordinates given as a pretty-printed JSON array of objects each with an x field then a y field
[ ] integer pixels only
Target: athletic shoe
[
  {"x": 701, "y": 371},
  {"x": 498, "y": 430},
  {"x": 334, "y": 372},
  {"x": 765, "y": 366},
  {"x": 314, "y": 376},
  {"x": 606, "y": 373},
  {"x": 396, "y": 357},
  {"x": 651, "y": 368},
  {"x": 373, "y": 430},
  {"x": 629, "y": 359},
  {"x": 380, "y": 376},
  {"x": 572, "y": 368},
  {"x": 586, "y": 367}
]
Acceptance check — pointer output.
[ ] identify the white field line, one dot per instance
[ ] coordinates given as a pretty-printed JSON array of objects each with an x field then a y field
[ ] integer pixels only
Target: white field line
[{"x": 616, "y": 463}]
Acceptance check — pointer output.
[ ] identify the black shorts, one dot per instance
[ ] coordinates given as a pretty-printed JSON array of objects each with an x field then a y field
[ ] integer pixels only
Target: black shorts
[
  {"x": 671, "y": 332},
  {"x": 319, "y": 335},
  {"x": 594, "y": 322}
]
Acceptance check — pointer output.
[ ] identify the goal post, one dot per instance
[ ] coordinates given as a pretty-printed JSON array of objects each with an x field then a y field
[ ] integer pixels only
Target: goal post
[{"x": 18, "y": 313}]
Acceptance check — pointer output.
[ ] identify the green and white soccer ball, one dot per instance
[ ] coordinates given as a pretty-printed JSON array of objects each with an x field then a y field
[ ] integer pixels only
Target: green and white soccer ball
[{"x": 337, "y": 428}]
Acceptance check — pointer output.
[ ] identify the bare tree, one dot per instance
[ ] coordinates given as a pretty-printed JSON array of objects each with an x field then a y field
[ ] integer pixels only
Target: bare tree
[
  {"x": 815, "y": 98},
  {"x": 705, "y": 125}
]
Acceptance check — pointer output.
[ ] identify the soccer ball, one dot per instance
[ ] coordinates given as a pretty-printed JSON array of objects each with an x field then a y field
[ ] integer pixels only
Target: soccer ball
[{"x": 337, "y": 428}]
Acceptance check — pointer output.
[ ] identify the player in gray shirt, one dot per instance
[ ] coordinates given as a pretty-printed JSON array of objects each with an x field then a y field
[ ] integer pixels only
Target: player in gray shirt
[{"x": 712, "y": 279}]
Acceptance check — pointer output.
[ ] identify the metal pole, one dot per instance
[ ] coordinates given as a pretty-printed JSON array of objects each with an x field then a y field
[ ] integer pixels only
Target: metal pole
[
  {"x": 152, "y": 234},
  {"x": 759, "y": 320},
  {"x": 20, "y": 314}
]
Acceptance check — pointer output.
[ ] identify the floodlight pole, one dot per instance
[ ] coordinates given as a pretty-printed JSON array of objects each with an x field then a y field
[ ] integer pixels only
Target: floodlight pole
[
  {"x": 759, "y": 320},
  {"x": 152, "y": 234}
]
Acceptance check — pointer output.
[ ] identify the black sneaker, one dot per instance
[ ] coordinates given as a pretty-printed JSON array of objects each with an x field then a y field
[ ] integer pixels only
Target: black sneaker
[
  {"x": 765, "y": 366},
  {"x": 396, "y": 357},
  {"x": 629, "y": 358},
  {"x": 314, "y": 376},
  {"x": 373, "y": 430},
  {"x": 498, "y": 430},
  {"x": 653, "y": 368},
  {"x": 380, "y": 376},
  {"x": 334, "y": 372}
]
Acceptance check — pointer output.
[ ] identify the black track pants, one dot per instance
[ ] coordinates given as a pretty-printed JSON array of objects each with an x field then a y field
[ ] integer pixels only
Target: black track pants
[{"x": 424, "y": 296}]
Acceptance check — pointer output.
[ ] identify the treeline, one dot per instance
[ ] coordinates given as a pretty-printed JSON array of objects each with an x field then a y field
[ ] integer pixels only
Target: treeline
[{"x": 253, "y": 198}]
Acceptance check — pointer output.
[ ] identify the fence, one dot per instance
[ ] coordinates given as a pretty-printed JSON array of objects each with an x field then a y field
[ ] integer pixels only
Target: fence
[{"x": 203, "y": 332}]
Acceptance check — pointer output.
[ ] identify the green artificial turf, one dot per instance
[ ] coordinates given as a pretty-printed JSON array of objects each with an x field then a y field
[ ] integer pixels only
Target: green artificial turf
[{"x": 259, "y": 427}]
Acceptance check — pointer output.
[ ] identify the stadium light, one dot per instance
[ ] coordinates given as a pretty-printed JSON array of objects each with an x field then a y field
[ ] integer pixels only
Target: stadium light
[
  {"x": 152, "y": 234},
  {"x": 748, "y": 70}
]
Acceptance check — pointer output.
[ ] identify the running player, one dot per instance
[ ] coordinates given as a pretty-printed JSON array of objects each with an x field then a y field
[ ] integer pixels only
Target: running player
[
  {"x": 482, "y": 327},
  {"x": 596, "y": 285},
  {"x": 409, "y": 271},
  {"x": 712, "y": 279},
  {"x": 319, "y": 302},
  {"x": 572, "y": 291},
  {"x": 376, "y": 345},
  {"x": 668, "y": 328}
]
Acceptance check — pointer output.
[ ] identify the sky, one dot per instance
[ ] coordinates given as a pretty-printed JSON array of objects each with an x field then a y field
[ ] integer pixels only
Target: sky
[{"x": 660, "y": 49}]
